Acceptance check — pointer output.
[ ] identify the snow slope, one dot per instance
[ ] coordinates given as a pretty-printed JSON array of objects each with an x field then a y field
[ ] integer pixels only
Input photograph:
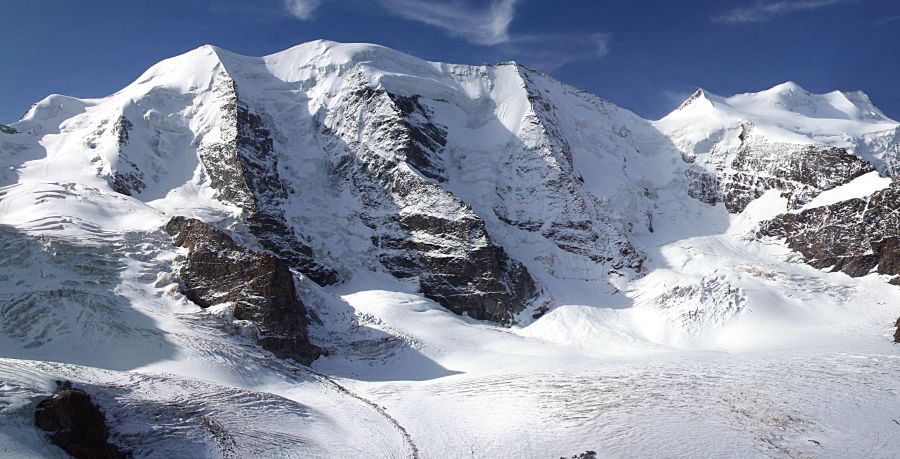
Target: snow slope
[{"x": 660, "y": 325}]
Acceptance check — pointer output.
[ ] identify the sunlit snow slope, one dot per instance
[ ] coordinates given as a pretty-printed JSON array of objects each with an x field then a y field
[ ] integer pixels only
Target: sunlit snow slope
[{"x": 491, "y": 263}]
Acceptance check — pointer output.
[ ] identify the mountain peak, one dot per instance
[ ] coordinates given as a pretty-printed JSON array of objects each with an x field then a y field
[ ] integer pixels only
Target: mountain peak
[
  {"x": 787, "y": 102},
  {"x": 326, "y": 54},
  {"x": 701, "y": 100},
  {"x": 786, "y": 87},
  {"x": 790, "y": 98},
  {"x": 697, "y": 95}
]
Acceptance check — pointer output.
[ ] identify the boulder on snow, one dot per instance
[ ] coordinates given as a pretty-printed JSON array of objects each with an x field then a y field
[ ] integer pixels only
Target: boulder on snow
[
  {"x": 76, "y": 425},
  {"x": 585, "y": 455}
]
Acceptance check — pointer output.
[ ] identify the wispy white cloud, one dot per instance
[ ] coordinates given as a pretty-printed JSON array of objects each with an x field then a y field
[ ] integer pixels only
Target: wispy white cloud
[
  {"x": 302, "y": 9},
  {"x": 485, "y": 24},
  {"x": 762, "y": 12},
  {"x": 551, "y": 51},
  {"x": 488, "y": 25},
  {"x": 482, "y": 25}
]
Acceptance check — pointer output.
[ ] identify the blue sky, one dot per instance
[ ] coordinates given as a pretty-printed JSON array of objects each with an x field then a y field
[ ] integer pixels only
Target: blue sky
[{"x": 642, "y": 55}]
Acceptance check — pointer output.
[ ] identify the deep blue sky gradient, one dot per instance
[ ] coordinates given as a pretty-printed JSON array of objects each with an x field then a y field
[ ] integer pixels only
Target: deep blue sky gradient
[{"x": 658, "y": 51}]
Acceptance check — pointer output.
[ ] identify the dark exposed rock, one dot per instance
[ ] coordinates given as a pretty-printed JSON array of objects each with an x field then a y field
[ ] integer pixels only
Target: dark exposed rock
[
  {"x": 458, "y": 266},
  {"x": 897, "y": 332},
  {"x": 127, "y": 178},
  {"x": 799, "y": 172},
  {"x": 445, "y": 245},
  {"x": 244, "y": 169},
  {"x": 585, "y": 455},
  {"x": 485, "y": 284},
  {"x": 7, "y": 130},
  {"x": 702, "y": 186},
  {"x": 855, "y": 236},
  {"x": 687, "y": 102},
  {"x": 261, "y": 286},
  {"x": 423, "y": 139},
  {"x": 76, "y": 425}
]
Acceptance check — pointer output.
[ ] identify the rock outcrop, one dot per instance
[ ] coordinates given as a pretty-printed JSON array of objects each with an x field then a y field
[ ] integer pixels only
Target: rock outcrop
[
  {"x": 799, "y": 172},
  {"x": 897, "y": 332},
  {"x": 703, "y": 186},
  {"x": 127, "y": 178},
  {"x": 76, "y": 425},
  {"x": 261, "y": 287},
  {"x": 243, "y": 167},
  {"x": 585, "y": 455},
  {"x": 387, "y": 153},
  {"x": 857, "y": 236}
]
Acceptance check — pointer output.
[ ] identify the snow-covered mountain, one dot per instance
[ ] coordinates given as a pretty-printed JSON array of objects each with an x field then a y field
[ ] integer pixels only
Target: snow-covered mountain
[{"x": 340, "y": 249}]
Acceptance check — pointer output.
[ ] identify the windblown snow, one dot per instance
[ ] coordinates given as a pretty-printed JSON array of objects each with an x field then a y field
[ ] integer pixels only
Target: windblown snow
[{"x": 660, "y": 324}]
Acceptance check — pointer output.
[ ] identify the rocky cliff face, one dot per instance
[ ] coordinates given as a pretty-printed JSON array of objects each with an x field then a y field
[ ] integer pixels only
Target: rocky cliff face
[
  {"x": 756, "y": 165},
  {"x": 243, "y": 168},
  {"x": 856, "y": 236},
  {"x": 259, "y": 285},
  {"x": 127, "y": 178},
  {"x": 387, "y": 151},
  {"x": 800, "y": 172}
]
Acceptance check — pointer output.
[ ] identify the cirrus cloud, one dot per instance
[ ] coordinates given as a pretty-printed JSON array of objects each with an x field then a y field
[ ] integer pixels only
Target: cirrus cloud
[
  {"x": 459, "y": 18},
  {"x": 484, "y": 24},
  {"x": 302, "y": 9},
  {"x": 762, "y": 12}
]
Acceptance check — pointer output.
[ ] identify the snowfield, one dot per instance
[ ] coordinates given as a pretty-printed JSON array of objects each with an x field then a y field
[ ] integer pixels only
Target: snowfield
[{"x": 704, "y": 341}]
